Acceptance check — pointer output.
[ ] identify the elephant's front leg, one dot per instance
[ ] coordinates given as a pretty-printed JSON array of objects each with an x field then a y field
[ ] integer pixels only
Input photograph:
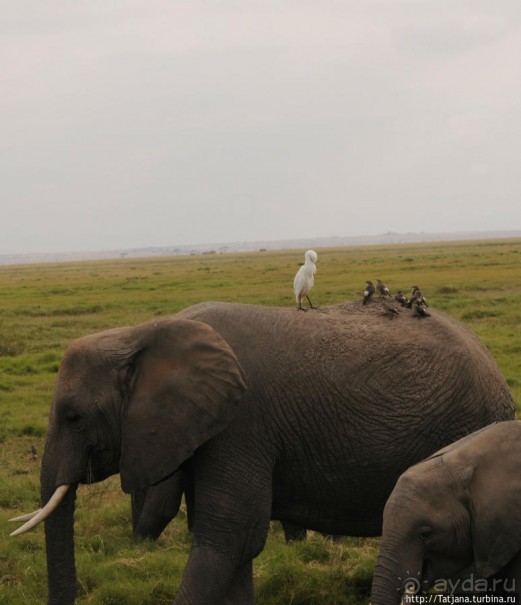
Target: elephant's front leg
[
  {"x": 212, "y": 577},
  {"x": 241, "y": 590},
  {"x": 231, "y": 522}
]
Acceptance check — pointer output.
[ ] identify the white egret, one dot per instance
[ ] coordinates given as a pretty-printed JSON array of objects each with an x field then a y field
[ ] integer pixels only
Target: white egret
[{"x": 305, "y": 278}]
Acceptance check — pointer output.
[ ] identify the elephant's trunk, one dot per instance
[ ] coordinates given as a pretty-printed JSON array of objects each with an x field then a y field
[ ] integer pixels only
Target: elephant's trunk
[
  {"x": 398, "y": 570},
  {"x": 59, "y": 543}
]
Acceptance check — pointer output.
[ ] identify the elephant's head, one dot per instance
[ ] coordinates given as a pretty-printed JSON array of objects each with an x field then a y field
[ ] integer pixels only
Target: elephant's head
[
  {"x": 135, "y": 400},
  {"x": 425, "y": 531},
  {"x": 454, "y": 514}
]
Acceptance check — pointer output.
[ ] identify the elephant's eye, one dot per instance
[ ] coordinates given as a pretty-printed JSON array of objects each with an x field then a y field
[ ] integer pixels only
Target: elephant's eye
[
  {"x": 72, "y": 416},
  {"x": 425, "y": 532}
]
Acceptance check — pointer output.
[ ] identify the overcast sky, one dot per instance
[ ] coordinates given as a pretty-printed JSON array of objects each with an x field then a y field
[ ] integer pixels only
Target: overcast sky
[{"x": 132, "y": 123}]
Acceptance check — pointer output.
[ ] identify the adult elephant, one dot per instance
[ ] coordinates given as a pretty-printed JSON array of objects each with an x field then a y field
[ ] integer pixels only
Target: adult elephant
[
  {"x": 339, "y": 403},
  {"x": 453, "y": 521}
]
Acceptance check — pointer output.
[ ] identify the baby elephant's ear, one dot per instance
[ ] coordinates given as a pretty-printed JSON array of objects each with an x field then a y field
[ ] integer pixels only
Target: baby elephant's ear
[
  {"x": 496, "y": 521},
  {"x": 186, "y": 385}
]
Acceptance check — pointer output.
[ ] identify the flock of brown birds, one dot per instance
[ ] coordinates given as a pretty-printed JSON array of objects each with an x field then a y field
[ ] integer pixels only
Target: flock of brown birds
[{"x": 416, "y": 301}]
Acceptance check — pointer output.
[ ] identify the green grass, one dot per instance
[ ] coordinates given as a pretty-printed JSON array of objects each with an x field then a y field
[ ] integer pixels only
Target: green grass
[{"x": 43, "y": 307}]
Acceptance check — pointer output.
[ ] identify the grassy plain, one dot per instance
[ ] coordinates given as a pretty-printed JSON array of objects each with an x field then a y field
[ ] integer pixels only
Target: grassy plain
[{"x": 43, "y": 307}]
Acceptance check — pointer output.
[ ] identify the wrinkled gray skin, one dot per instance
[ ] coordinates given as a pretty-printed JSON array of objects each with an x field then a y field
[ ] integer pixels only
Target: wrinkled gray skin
[
  {"x": 153, "y": 508},
  {"x": 339, "y": 403},
  {"x": 456, "y": 516}
]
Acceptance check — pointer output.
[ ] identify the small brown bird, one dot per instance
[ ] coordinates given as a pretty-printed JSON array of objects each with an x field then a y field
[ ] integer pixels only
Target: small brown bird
[
  {"x": 369, "y": 291},
  {"x": 382, "y": 288},
  {"x": 420, "y": 310},
  {"x": 390, "y": 310},
  {"x": 34, "y": 453},
  {"x": 417, "y": 296},
  {"x": 401, "y": 298}
]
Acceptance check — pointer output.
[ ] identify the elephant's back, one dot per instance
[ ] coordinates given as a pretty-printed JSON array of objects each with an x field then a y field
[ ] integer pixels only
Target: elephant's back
[
  {"x": 365, "y": 356},
  {"x": 370, "y": 332}
]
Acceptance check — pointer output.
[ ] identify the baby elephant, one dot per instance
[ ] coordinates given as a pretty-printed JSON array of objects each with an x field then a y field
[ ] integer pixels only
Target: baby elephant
[{"x": 453, "y": 521}]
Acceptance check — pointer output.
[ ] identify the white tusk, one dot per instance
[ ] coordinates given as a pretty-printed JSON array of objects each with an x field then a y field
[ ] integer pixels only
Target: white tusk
[
  {"x": 45, "y": 512},
  {"x": 25, "y": 517}
]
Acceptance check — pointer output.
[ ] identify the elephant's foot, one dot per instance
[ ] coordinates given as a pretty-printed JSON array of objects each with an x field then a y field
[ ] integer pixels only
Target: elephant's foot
[
  {"x": 241, "y": 590},
  {"x": 211, "y": 579}
]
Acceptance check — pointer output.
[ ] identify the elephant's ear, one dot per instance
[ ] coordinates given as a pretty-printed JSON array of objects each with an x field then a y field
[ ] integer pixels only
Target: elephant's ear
[
  {"x": 496, "y": 522},
  {"x": 185, "y": 384}
]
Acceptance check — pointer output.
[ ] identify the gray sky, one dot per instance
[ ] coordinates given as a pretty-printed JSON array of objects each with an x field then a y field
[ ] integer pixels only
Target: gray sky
[{"x": 131, "y": 123}]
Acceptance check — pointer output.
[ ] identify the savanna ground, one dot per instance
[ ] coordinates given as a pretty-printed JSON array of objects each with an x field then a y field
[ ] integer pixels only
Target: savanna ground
[{"x": 43, "y": 307}]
